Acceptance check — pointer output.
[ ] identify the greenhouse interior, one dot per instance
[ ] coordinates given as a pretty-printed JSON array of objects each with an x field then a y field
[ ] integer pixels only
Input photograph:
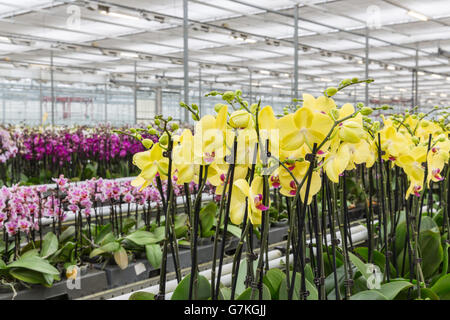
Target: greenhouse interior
[{"x": 224, "y": 150}]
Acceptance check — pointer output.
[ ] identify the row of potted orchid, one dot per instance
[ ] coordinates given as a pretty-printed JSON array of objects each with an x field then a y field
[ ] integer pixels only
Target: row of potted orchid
[
  {"x": 306, "y": 154},
  {"x": 47, "y": 230},
  {"x": 33, "y": 155}
]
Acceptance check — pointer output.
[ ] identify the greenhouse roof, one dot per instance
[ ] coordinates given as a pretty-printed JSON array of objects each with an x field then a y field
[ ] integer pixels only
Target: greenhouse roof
[{"x": 233, "y": 43}]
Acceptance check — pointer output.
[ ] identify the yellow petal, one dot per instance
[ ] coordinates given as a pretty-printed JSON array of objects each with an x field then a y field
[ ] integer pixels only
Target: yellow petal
[
  {"x": 316, "y": 183},
  {"x": 243, "y": 186},
  {"x": 267, "y": 119},
  {"x": 303, "y": 118}
]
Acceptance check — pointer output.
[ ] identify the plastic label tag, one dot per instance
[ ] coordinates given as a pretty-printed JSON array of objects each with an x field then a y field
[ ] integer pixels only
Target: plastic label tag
[{"x": 139, "y": 268}]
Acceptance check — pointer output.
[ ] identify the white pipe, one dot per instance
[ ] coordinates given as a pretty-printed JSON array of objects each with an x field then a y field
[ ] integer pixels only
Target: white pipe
[
  {"x": 172, "y": 284},
  {"x": 358, "y": 233}
]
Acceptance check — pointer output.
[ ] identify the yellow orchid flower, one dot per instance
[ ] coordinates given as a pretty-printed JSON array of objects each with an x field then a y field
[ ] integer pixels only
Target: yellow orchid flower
[
  {"x": 268, "y": 130},
  {"x": 322, "y": 104},
  {"x": 415, "y": 186},
  {"x": 183, "y": 157},
  {"x": 246, "y": 141},
  {"x": 299, "y": 170},
  {"x": 217, "y": 175},
  {"x": 304, "y": 126},
  {"x": 412, "y": 163},
  {"x": 210, "y": 138},
  {"x": 254, "y": 196},
  {"x": 336, "y": 162},
  {"x": 150, "y": 162},
  {"x": 393, "y": 143},
  {"x": 437, "y": 157}
]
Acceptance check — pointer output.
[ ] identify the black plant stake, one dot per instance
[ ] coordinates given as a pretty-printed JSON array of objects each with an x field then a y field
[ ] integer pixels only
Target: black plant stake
[
  {"x": 246, "y": 226},
  {"x": 227, "y": 215},
  {"x": 383, "y": 211},
  {"x": 301, "y": 214},
  {"x": 334, "y": 240},
  {"x": 197, "y": 207}
]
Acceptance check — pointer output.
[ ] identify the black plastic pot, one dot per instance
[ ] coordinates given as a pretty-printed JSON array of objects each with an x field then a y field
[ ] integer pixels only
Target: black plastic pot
[{"x": 91, "y": 281}]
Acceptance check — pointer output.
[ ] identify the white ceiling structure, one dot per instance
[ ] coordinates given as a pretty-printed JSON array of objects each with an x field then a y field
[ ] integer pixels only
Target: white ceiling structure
[{"x": 233, "y": 41}]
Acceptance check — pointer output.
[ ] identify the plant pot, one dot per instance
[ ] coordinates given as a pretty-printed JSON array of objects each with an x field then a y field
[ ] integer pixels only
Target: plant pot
[
  {"x": 280, "y": 223},
  {"x": 90, "y": 281}
]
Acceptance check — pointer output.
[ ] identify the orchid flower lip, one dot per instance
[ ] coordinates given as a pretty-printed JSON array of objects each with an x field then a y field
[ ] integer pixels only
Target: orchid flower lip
[{"x": 258, "y": 203}]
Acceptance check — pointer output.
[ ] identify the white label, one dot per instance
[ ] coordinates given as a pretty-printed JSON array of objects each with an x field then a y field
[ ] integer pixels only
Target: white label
[{"x": 139, "y": 268}]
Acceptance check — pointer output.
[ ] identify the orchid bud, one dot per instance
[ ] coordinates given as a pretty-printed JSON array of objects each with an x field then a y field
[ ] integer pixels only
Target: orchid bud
[
  {"x": 346, "y": 82},
  {"x": 365, "y": 111},
  {"x": 424, "y": 123},
  {"x": 218, "y": 106},
  {"x": 157, "y": 122},
  {"x": 354, "y": 80},
  {"x": 228, "y": 96},
  {"x": 240, "y": 119},
  {"x": 331, "y": 91},
  {"x": 415, "y": 140},
  {"x": 164, "y": 139},
  {"x": 152, "y": 131},
  {"x": 238, "y": 92},
  {"x": 147, "y": 143},
  {"x": 175, "y": 126},
  {"x": 253, "y": 108}
]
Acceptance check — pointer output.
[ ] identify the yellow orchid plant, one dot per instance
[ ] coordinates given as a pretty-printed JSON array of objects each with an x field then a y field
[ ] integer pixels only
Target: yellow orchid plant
[{"x": 245, "y": 151}]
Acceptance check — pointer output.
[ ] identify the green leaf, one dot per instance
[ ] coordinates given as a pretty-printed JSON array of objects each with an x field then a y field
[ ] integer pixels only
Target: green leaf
[
  {"x": 368, "y": 295},
  {"x": 284, "y": 293},
  {"x": 128, "y": 223},
  {"x": 207, "y": 217},
  {"x": 224, "y": 293},
  {"x": 431, "y": 251},
  {"x": 141, "y": 295},
  {"x": 103, "y": 232},
  {"x": 29, "y": 253},
  {"x": 240, "y": 281},
  {"x": 121, "y": 258},
  {"x": 328, "y": 262},
  {"x": 109, "y": 247},
  {"x": 182, "y": 290},
  {"x": 272, "y": 280},
  {"x": 360, "y": 265},
  {"x": 49, "y": 245},
  {"x": 154, "y": 255},
  {"x": 442, "y": 287},
  {"x": 34, "y": 263},
  {"x": 142, "y": 238},
  {"x": 181, "y": 231},
  {"x": 66, "y": 234},
  {"x": 247, "y": 294},
  {"x": 28, "y": 276},
  {"x": 379, "y": 259},
  {"x": 107, "y": 239},
  {"x": 180, "y": 220},
  {"x": 329, "y": 280},
  {"x": 391, "y": 289},
  {"x": 234, "y": 230}
]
